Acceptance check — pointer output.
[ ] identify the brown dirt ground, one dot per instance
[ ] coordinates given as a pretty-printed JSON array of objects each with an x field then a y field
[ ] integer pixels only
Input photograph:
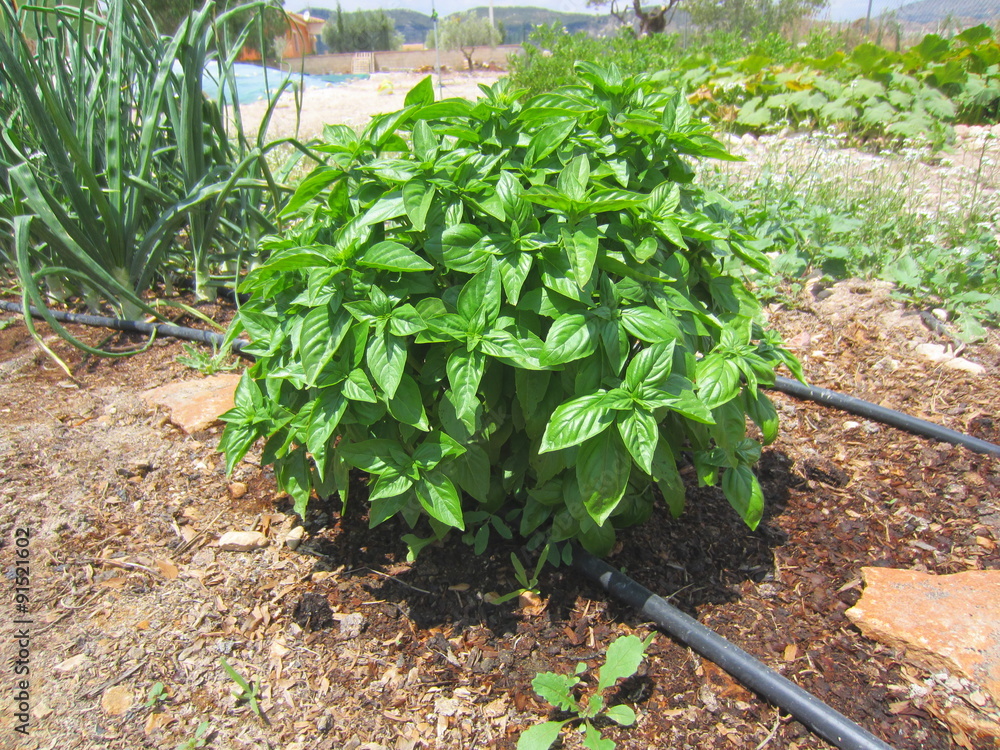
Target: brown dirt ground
[{"x": 127, "y": 591}]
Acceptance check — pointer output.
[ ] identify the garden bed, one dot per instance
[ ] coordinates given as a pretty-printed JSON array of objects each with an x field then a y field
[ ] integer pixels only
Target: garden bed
[{"x": 127, "y": 590}]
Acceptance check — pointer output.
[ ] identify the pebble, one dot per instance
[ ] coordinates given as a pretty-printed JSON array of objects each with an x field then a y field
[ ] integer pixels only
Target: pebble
[
  {"x": 351, "y": 625},
  {"x": 242, "y": 541},
  {"x": 294, "y": 537}
]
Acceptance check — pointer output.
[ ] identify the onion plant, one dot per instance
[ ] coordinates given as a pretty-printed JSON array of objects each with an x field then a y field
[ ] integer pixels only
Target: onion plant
[{"x": 114, "y": 163}]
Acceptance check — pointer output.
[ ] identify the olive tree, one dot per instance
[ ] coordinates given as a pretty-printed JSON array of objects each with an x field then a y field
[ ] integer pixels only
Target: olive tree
[{"x": 466, "y": 32}]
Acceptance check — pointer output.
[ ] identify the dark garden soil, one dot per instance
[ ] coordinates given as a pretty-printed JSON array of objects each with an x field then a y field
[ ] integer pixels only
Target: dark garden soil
[{"x": 353, "y": 647}]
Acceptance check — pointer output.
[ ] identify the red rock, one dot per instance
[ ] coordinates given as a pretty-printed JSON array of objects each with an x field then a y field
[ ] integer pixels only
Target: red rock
[
  {"x": 949, "y": 622},
  {"x": 195, "y": 404}
]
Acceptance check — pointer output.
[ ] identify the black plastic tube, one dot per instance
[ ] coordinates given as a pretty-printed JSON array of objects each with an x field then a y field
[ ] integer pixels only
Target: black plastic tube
[
  {"x": 882, "y": 414},
  {"x": 820, "y": 718},
  {"x": 133, "y": 326},
  {"x": 785, "y": 385}
]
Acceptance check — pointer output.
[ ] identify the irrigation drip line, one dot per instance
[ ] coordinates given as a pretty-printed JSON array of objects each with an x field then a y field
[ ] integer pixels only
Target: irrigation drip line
[
  {"x": 881, "y": 414},
  {"x": 820, "y": 718},
  {"x": 823, "y": 396},
  {"x": 133, "y": 326}
]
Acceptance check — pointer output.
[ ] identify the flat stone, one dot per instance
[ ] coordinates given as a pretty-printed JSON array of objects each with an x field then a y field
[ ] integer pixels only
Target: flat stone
[
  {"x": 196, "y": 404},
  {"x": 242, "y": 541},
  {"x": 941, "y": 622}
]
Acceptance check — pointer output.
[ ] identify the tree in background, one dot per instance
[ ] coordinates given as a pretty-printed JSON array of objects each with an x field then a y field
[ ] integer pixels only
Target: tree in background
[
  {"x": 168, "y": 14},
  {"x": 361, "y": 31},
  {"x": 750, "y": 16},
  {"x": 466, "y": 32},
  {"x": 744, "y": 17},
  {"x": 652, "y": 21}
]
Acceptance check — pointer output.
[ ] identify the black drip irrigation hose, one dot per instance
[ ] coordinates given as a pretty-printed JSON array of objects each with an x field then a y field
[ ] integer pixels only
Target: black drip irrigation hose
[
  {"x": 881, "y": 414},
  {"x": 133, "y": 326},
  {"x": 823, "y": 396},
  {"x": 820, "y": 718}
]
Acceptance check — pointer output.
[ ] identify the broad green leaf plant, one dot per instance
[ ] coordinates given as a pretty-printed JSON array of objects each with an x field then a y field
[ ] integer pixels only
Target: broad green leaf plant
[
  {"x": 624, "y": 656},
  {"x": 510, "y": 316}
]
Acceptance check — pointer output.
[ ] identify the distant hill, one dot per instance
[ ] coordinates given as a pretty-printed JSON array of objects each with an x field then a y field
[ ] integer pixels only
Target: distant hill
[
  {"x": 518, "y": 21},
  {"x": 935, "y": 11}
]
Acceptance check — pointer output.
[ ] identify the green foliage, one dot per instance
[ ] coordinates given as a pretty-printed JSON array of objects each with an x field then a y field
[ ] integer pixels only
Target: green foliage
[
  {"x": 198, "y": 359},
  {"x": 869, "y": 93},
  {"x": 548, "y": 60},
  {"x": 249, "y": 692},
  {"x": 360, "y": 31},
  {"x": 743, "y": 16},
  {"x": 624, "y": 656},
  {"x": 114, "y": 166},
  {"x": 466, "y": 31},
  {"x": 157, "y": 694},
  {"x": 528, "y": 304},
  {"x": 838, "y": 214},
  {"x": 202, "y": 736}
]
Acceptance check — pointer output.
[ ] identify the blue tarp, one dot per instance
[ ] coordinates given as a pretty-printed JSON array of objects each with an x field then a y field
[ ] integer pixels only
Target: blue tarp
[{"x": 251, "y": 86}]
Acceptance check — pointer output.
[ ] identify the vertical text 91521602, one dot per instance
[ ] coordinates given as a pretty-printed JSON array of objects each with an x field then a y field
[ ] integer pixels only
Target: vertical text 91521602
[{"x": 21, "y": 663}]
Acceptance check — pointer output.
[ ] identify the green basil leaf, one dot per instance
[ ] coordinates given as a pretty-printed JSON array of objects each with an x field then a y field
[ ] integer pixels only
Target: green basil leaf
[
  {"x": 407, "y": 406},
  {"x": 650, "y": 366},
  {"x": 602, "y": 471},
  {"x": 570, "y": 338},
  {"x": 640, "y": 435},
  {"x": 465, "y": 371},
  {"x": 582, "y": 242},
  {"x": 576, "y": 421},
  {"x": 718, "y": 380},
  {"x": 762, "y": 412},
  {"x": 392, "y": 256},
  {"x": 436, "y": 447},
  {"x": 574, "y": 178},
  {"x": 374, "y": 456},
  {"x": 326, "y": 416},
  {"x": 440, "y": 499},
  {"x": 650, "y": 325},
  {"x": 358, "y": 388},
  {"x": 323, "y": 330},
  {"x": 418, "y": 197},
  {"x": 422, "y": 93},
  {"x": 667, "y": 478},
  {"x": 743, "y": 492},
  {"x": 386, "y": 358}
]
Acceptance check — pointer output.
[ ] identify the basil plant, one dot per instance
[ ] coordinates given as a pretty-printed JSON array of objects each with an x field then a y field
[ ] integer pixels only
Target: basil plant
[{"x": 513, "y": 317}]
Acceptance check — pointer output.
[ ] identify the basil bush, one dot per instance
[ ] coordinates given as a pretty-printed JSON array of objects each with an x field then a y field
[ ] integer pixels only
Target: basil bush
[{"x": 514, "y": 317}]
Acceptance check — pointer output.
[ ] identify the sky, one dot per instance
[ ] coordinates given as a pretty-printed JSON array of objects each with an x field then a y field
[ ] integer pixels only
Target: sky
[{"x": 839, "y": 10}]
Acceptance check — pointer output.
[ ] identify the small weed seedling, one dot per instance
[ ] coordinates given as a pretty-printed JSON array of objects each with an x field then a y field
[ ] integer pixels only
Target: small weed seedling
[
  {"x": 156, "y": 695},
  {"x": 201, "y": 738},
  {"x": 521, "y": 574},
  {"x": 209, "y": 364},
  {"x": 248, "y": 691},
  {"x": 622, "y": 661}
]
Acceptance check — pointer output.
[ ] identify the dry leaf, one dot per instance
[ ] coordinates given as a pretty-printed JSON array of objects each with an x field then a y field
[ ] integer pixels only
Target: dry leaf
[
  {"x": 71, "y": 664},
  {"x": 167, "y": 569},
  {"x": 117, "y": 700},
  {"x": 157, "y": 721}
]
